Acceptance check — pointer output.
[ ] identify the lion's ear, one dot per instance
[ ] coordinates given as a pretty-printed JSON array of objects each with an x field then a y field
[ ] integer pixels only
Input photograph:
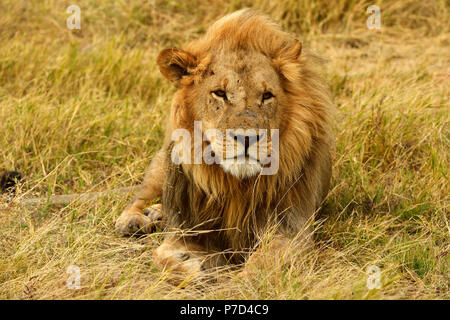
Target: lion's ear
[
  {"x": 296, "y": 49},
  {"x": 175, "y": 63},
  {"x": 286, "y": 61},
  {"x": 291, "y": 52}
]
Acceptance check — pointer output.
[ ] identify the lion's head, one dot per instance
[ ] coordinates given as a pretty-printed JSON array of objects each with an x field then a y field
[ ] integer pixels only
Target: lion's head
[{"x": 248, "y": 77}]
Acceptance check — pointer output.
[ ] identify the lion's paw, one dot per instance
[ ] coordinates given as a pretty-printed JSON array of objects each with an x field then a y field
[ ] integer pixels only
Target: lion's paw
[
  {"x": 155, "y": 214},
  {"x": 133, "y": 222},
  {"x": 130, "y": 223},
  {"x": 178, "y": 258}
]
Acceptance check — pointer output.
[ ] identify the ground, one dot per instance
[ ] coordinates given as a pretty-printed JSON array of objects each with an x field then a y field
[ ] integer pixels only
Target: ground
[{"x": 83, "y": 110}]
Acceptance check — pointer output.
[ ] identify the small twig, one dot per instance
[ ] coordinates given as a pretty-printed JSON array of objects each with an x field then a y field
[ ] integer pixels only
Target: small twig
[{"x": 67, "y": 198}]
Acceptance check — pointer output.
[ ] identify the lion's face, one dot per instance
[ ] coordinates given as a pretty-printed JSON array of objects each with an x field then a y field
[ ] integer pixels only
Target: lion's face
[
  {"x": 238, "y": 103},
  {"x": 238, "y": 99}
]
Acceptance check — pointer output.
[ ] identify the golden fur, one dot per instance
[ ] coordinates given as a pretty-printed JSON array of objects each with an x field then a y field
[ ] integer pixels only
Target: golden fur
[{"x": 201, "y": 197}]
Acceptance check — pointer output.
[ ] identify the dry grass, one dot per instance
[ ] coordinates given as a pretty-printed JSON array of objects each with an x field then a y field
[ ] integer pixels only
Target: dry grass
[{"x": 83, "y": 111}]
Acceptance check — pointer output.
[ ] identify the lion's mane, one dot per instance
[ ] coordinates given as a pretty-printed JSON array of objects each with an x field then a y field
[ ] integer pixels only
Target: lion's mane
[{"x": 228, "y": 213}]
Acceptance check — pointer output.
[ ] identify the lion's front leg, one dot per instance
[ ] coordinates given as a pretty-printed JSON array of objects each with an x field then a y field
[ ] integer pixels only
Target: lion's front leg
[{"x": 133, "y": 219}]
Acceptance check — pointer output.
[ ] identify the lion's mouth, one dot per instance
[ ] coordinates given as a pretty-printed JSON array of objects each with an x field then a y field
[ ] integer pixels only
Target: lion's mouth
[{"x": 243, "y": 156}]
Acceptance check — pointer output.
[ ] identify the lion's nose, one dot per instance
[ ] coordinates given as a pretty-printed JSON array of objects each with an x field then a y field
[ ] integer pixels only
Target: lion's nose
[
  {"x": 247, "y": 114},
  {"x": 245, "y": 139}
]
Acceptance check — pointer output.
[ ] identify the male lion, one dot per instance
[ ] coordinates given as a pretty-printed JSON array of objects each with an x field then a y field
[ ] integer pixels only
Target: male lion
[{"x": 245, "y": 73}]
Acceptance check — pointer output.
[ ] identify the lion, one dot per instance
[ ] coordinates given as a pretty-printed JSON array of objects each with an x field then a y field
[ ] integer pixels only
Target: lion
[{"x": 245, "y": 73}]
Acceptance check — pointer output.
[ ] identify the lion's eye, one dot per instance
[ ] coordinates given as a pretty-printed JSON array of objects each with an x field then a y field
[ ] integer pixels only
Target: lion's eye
[
  {"x": 220, "y": 93},
  {"x": 267, "y": 95}
]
